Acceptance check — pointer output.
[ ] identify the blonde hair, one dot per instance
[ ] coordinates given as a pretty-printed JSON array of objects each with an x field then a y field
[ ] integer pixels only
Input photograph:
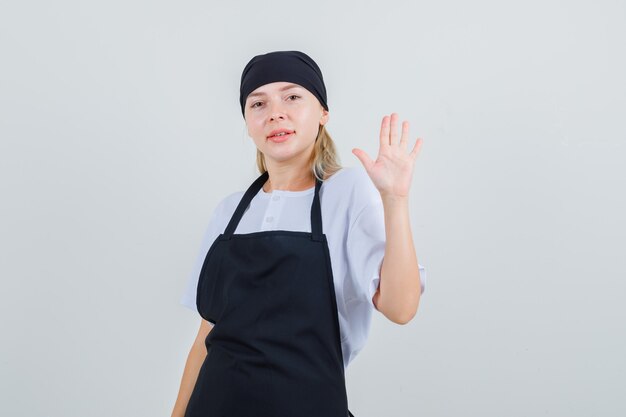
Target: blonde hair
[{"x": 324, "y": 160}]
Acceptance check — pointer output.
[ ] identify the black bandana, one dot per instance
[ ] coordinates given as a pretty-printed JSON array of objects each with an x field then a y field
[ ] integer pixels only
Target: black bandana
[{"x": 292, "y": 66}]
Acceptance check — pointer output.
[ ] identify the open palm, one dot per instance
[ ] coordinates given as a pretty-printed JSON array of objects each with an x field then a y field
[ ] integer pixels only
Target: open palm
[{"x": 392, "y": 170}]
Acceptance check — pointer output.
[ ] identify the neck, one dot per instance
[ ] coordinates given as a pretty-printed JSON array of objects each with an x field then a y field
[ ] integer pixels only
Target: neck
[{"x": 289, "y": 179}]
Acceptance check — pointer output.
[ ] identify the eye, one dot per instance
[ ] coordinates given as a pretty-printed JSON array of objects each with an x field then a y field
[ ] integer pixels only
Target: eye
[
  {"x": 294, "y": 95},
  {"x": 253, "y": 105}
]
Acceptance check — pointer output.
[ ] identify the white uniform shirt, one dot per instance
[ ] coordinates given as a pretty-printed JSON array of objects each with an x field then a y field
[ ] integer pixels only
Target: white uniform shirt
[{"x": 353, "y": 222}]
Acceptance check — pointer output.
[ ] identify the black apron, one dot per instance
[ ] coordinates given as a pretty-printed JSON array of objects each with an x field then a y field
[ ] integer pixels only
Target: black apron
[{"x": 275, "y": 348}]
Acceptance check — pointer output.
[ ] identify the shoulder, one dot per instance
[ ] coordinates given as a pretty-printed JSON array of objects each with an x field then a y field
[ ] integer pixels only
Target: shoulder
[
  {"x": 227, "y": 205},
  {"x": 354, "y": 183},
  {"x": 349, "y": 176}
]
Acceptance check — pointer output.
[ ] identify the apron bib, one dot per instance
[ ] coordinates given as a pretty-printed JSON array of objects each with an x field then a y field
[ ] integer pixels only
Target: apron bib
[{"x": 275, "y": 348}]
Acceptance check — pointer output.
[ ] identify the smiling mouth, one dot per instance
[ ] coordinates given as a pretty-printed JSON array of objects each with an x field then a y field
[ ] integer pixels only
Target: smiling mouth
[
  {"x": 280, "y": 134},
  {"x": 281, "y": 137}
]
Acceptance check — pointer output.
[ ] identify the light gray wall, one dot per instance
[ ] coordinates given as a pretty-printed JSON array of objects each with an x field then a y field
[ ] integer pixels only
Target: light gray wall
[{"x": 120, "y": 131}]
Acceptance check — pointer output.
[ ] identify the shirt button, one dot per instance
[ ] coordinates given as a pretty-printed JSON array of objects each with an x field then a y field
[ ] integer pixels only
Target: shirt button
[
  {"x": 269, "y": 219},
  {"x": 276, "y": 198}
]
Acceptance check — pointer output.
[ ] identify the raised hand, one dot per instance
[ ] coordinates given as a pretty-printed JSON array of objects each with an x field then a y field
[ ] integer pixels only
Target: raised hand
[{"x": 392, "y": 171}]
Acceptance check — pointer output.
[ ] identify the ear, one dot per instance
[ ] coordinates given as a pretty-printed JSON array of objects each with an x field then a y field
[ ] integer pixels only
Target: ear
[{"x": 324, "y": 116}]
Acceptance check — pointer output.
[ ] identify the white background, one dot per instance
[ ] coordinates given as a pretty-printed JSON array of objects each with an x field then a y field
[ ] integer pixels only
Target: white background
[{"x": 120, "y": 131}]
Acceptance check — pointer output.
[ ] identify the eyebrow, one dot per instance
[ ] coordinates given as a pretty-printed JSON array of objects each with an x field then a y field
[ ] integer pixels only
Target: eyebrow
[{"x": 287, "y": 87}]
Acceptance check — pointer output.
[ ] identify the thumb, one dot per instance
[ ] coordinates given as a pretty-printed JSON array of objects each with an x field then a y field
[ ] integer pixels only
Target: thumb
[{"x": 363, "y": 157}]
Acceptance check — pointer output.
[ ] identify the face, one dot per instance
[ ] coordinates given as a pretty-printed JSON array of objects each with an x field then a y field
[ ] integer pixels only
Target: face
[{"x": 284, "y": 107}]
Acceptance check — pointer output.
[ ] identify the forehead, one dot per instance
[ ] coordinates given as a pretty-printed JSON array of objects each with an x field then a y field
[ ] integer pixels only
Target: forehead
[{"x": 270, "y": 88}]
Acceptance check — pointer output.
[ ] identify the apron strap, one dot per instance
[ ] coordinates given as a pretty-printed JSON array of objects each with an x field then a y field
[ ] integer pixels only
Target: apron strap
[
  {"x": 316, "y": 213},
  {"x": 252, "y": 190}
]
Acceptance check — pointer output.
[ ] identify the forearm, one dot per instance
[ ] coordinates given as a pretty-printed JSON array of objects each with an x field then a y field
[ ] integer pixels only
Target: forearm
[
  {"x": 196, "y": 357},
  {"x": 400, "y": 285}
]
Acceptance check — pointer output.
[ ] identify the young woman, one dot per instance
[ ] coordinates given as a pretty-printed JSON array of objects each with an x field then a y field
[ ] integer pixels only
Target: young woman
[{"x": 291, "y": 269}]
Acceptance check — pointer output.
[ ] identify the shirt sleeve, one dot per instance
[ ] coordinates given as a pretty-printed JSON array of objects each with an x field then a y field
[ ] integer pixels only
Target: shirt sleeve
[
  {"x": 213, "y": 230},
  {"x": 366, "y": 250}
]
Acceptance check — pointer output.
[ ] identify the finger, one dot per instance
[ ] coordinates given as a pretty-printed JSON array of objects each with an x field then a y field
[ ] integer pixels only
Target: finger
[
  {"x": 393, "y": 137},
  {"x": 363, "y": 157},
  {"x": 416, "y": 148},
  {"x": 405, "y": 134},
  {"x": 384, "y": 132}
]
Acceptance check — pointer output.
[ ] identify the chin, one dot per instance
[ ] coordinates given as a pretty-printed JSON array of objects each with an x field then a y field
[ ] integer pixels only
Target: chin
[{"x": 283, "y": 156}]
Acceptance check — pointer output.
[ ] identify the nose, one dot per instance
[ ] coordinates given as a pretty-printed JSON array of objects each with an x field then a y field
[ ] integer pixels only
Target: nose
[{"x": 276, "y": 112}]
